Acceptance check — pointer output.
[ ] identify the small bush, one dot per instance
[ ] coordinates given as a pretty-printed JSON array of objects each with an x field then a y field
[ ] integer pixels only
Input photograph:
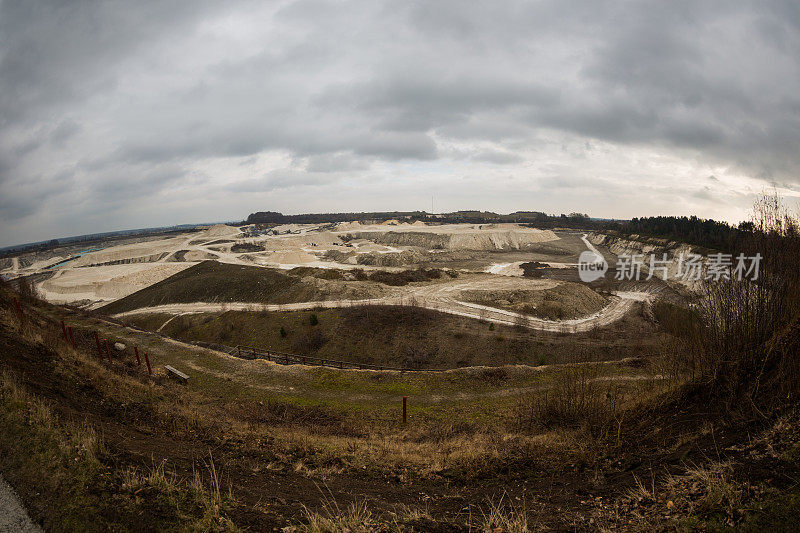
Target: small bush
[
  {"x": 310, "y": 342},
  {"x": 240, "y": 247},
  {"x": 313, "y": 320},
  {"x": 676, "y": 320},
  {"x": 27, "y": 291},
  {"x": 575, "y": 400},
  {"x": 405, "y": 277},
  {"x": 417, "y": 356}
]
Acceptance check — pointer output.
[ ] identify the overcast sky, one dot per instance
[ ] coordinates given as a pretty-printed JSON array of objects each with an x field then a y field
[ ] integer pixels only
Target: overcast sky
[{"x": 130, "y": 114}]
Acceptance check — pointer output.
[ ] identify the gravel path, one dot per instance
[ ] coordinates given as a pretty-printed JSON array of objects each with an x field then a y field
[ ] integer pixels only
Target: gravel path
[
  {"x": 13, "y": 516},
  {"x": 618, "y": 305}
]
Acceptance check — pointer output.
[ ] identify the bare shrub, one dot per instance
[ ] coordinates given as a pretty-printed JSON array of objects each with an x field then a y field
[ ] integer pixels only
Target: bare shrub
[
  {"x": 310, "y": 342},
  {"x": 576, "y": 399},
  {"x": 521, "y": 322},
  {"x": 505, "y": 516},
  {"x": 27, "y": 290},
  {"x": 551, "y": 310},
  {"x": 274, "y": 412},
  {"x": 445, "y": 430},
  {"x": 405, "y": 277},
  {"x": 378, "y": 317},
  {"x": 417, "y": 356},
  {"x": 226, "y": 333}
]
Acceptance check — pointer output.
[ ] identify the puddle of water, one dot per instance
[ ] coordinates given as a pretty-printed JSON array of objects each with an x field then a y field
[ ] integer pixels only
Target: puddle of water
[{"x": 77, "y": 255}]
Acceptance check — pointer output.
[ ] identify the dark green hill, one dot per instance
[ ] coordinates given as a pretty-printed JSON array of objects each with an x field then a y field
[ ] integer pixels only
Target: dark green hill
[{"x": 211, "y": 281}]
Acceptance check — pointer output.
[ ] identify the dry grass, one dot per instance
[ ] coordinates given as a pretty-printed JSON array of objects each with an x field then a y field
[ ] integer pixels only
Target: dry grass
[
  {"x": 703, "y": 497},
  {"x": 195, "y": 492},
  {"x": 506, "y": 516},
  {"x": 355, "y": 518}
]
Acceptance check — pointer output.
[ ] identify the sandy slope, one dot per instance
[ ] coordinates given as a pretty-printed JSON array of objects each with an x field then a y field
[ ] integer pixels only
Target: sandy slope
[{"x": 105, "y": 283}]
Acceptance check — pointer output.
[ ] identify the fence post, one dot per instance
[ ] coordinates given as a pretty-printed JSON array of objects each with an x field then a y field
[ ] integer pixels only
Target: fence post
[
  {"x": 404, "y": 410},
  {"x": 71, "y": 336},
  {"x": 147, "y": 360},
  {"x": 18, "y": 308},
  {"x": 108, "y": 351},
  {"x": 136, "y": 351},
  {"x": 64, "y": 330},
  {"x": 97, "y": 340}
]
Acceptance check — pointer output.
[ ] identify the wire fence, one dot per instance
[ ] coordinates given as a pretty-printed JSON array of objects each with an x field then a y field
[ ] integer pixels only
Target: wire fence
[{"x": 284, "y": 358}]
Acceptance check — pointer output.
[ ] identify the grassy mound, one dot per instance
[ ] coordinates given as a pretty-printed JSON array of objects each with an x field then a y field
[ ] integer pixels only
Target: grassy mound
[
  {"x": 567, "y": 300},
  {"x": 211, "y": 281},
  {"x": 405, "y": 337}
]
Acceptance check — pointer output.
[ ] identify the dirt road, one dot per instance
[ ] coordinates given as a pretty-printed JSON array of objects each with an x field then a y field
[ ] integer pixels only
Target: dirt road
[
  {"x": 619, "y": 304},
  {"x": 590, "y": 246}
]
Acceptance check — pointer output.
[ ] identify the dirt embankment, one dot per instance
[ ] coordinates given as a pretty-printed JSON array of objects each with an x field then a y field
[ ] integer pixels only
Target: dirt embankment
[
  {"x": 191, "y": 256},
  {"x": 565, "y": 301},
  {"x": 646, "y": 247},
  {"x": 153, "y": 258},
  {"x": 499, "y": 239}
]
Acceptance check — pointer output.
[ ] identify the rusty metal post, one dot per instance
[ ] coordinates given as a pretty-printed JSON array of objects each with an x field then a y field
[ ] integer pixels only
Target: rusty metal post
[
  {"x": 108, "y": 351},
  {"x": 64, "y": 330},
  {"x": 97, "y": 340},
  {"x": 71, "y": 336},
  {"x": 405, "y": 418},
  {"x": 136, "y": 351},
  {"x": 240, "y": 351},
  {"x": 147, "y": 360}
]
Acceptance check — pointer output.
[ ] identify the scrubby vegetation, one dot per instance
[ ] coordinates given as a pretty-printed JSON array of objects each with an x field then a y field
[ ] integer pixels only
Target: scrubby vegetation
[{"x": 247, "y": 247}]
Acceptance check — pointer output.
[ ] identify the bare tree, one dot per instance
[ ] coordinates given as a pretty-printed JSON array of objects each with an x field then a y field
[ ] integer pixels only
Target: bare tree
[{"x": 736, "y": 352}]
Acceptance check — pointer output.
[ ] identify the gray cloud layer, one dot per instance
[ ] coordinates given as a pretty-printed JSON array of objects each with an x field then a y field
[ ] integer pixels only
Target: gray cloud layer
[{"x": 118, "y": 114}]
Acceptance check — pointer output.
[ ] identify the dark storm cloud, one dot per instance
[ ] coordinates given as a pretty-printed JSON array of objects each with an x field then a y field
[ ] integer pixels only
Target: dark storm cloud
[{"x": 136, "y": 99}]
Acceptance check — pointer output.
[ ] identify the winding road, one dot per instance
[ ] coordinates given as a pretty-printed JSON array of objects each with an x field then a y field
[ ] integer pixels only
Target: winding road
[{"x": 618, "y": 305}]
